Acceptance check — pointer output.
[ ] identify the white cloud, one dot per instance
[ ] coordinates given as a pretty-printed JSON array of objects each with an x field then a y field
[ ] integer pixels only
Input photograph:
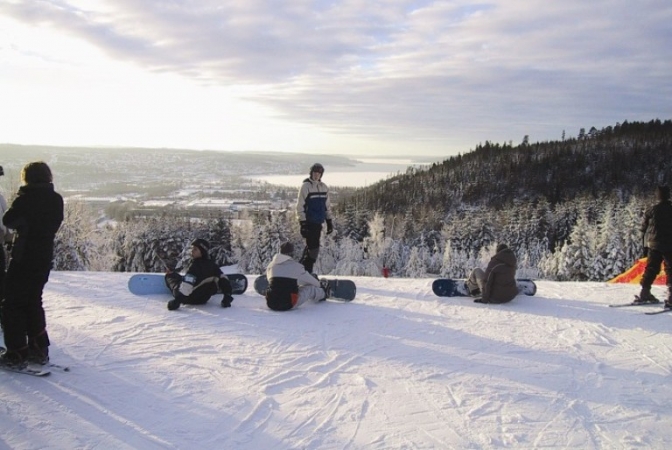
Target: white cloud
[{"x": 383, "y": 75}]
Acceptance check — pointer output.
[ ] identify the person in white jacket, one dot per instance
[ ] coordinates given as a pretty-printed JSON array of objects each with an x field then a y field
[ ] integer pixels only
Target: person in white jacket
[{"x": 289, "y": 283}]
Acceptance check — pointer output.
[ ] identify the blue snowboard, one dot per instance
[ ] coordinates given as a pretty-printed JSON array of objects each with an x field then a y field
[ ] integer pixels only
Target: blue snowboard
[
  {"x": 340, "y": 289},
  {"x": 447, "y": 287},
  {"x": 154, "y": 283}
]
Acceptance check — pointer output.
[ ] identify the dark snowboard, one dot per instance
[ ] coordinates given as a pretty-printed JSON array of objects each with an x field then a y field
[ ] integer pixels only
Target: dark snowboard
[
  {"x": 154, "y": 283},
  {"x": 340, "y": 289},
  {"x": 447, "y": 287}
]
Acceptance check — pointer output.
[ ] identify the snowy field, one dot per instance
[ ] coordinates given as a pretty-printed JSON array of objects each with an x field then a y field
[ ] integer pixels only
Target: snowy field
[{"x": 398, "y": 368}]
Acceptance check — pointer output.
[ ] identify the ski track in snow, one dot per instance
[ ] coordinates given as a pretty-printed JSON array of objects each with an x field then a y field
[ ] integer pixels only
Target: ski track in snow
[{"x": 396, "y": 368}]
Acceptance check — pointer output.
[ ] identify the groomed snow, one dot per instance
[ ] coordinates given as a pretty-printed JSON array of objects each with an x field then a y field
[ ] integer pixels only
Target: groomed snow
[{"x": 398, "y": 368}]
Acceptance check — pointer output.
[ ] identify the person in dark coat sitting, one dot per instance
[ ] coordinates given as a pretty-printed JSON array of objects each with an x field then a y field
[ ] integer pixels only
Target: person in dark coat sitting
[
  {"x": 498, "y": 283},
  {"x": 201, "y": 281}
]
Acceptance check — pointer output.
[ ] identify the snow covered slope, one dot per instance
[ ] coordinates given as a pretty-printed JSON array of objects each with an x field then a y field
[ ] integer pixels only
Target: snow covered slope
[{"x": 396, "y": 368}]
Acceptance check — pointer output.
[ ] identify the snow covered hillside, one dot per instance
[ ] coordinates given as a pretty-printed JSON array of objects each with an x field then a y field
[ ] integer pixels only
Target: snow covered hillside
[{"x": 398, "y": 368}]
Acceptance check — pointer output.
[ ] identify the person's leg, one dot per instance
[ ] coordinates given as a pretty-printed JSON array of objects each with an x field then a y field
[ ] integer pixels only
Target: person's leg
[
  {"x": 667, "y": 258},
  {"x": 36, "y": 320},
  {"x": 15, "y": 315},
  {"x": 201, "y": 294},
  {"x": 310, "y": 293},
  {"x": 653, "y": 262},
  {"x": 225, "y": 288},
  {"x": 475, "y": 281},
  {"x": 312, "y": 249}
]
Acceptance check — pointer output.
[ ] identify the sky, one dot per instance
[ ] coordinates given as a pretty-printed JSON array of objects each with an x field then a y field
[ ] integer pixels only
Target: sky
[
  {"x": 396, "y": 368},
  {"x": 378, "y": 78}
]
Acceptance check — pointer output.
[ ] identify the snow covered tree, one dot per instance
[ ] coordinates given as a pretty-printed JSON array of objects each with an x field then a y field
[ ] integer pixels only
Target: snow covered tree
[
  {"x": 577, "y": 253},
  {"x": 415, "y": 266},
  {"x": 73, "y": 244}
]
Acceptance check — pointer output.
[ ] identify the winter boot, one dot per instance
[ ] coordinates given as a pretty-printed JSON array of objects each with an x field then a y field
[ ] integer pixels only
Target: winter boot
[
  {"x": 324, "y": 284},
  {"x": 38, "y": 348},
  {"x": 226, "y": 301},
  {"x": 14, "y": 358},
  {"x": 645, "y": 296},
  {"x": 173, "y": 304},
  {"x": 38, "y": 355}
]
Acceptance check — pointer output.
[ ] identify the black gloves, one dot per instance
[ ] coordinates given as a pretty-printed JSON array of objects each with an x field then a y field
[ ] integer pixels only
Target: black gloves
[
  {"x": 645, "y": 252},
  {"x": 330, "y": 226},
  {"x": 304, "y": 229}
]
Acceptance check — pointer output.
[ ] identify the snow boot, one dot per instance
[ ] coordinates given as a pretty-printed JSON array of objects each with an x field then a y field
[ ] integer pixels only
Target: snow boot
[
  {"x": 38, "y": 355},
  {"x": 324, "y": 284},
  {"x": 226, "y": 301},
  {"x": 14, "y": 358},
  {"x": 645, "y": 296},
  {"x": 173, "y": 304}
]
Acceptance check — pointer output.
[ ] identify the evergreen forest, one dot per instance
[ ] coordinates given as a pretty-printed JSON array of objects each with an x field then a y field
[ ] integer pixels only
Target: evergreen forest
[{"x": 570, "y": 209}]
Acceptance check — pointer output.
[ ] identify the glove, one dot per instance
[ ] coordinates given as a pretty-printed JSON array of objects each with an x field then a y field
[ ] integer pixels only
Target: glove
[
  {"x": 645, "y": 252},
  {"x": 478, "y": 300},
  {"x": 330, "y": 226},
  {"x": 304, "y": 229}
]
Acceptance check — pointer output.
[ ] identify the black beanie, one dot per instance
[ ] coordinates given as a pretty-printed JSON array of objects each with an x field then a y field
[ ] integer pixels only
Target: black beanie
[
  {"x": 663, "y": 193},
  {"x": 501, "y": 247},
  {"x": 203, "y": 246},
  {"x": 287, "y": 249}
]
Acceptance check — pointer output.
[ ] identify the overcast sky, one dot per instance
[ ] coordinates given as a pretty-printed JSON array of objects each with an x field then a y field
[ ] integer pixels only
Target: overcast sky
[{"x": 386, "y": 78}]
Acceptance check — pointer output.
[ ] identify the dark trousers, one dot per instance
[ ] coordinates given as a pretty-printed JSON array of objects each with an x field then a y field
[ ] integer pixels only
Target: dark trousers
[
  {"x": 198, "y": 296},
  {"x": 23, "y": 319},
  {"x": 3, "y": 268},
  {"x": 654, "y": 259},
  {"x": 312, "y": 249}
]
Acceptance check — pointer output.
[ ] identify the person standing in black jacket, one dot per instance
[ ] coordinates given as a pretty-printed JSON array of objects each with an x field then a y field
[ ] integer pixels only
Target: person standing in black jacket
[
  {"x": 36, "y": 214},
  {"x": 657, "y": 231},
  {"x": 201, "y": 281}
]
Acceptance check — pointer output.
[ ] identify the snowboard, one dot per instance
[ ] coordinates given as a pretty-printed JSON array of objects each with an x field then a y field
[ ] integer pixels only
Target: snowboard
[
  {"x": 154, "y": 283},
  {"x": 339, "y": 289},
  {"x": 447, "y": 287}
]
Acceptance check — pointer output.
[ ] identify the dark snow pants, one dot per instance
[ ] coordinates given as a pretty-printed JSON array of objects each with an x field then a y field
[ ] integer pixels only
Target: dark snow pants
[
  {"x": 201, "y": 294},
  {"x": 312, "y": 249},
  {"x": 23, "y": 319},
  {"x": 653, "y": 261}
]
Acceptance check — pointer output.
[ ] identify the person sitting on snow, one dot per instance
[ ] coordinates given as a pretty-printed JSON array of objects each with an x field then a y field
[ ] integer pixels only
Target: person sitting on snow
[
  {"x": 498, "y": 283},
  {"x": 289, "y": 285},
  {"x": 201, "y": 281}
]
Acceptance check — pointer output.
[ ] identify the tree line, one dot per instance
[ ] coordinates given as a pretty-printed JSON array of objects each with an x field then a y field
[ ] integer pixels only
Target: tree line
[{"x": 570, "y": 209}]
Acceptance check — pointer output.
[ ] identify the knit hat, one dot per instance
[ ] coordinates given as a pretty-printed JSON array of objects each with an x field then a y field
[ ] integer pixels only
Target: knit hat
[
  {"x": 663, "y": 193},
  {"x": 203, "y": 246},
  {"x": 287, "y": 248},
  {"x": 501, "y": 247}
]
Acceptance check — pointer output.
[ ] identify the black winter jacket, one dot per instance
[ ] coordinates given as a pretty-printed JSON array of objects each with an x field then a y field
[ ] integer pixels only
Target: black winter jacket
[
  {"x": 36, "y": 214},
  {"x": 657, "y": 227}
]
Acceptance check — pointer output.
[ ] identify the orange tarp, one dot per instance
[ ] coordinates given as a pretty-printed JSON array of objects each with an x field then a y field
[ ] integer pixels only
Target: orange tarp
[{"x": 634, "y": 274}]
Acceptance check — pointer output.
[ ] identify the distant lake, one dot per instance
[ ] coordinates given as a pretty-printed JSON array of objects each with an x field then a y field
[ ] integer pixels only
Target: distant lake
[{"x": 362, "y": 173}]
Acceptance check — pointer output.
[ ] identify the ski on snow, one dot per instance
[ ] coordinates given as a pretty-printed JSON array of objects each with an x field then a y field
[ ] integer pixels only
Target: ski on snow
[
  {"x": 34, "y": 368},
  {"x": 623, "y": 305},
  {"x": 651, "y": 313},
  {"x": 26, "y": 370}
]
